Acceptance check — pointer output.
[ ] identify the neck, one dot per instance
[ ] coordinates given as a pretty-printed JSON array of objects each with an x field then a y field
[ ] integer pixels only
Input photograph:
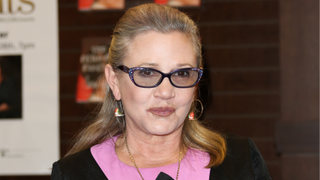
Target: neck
[{"x": 149, "y": 151}]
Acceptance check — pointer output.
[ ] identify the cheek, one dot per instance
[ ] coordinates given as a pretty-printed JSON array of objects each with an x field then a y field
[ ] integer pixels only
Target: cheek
[
  {"x": 185, "y": 98},
  {"x": 133, "y": 96}
]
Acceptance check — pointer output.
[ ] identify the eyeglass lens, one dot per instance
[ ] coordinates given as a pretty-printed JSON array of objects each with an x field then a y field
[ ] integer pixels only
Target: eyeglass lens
[{"x": 180, "y": 78}]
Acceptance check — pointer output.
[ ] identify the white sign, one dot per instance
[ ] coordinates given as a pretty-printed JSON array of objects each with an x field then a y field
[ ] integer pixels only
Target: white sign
[{"x": 29, "y": 104}]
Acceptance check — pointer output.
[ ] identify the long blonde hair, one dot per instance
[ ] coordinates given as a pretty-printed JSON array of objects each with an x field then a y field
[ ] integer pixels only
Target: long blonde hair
[{"x": 137, "y": 20}]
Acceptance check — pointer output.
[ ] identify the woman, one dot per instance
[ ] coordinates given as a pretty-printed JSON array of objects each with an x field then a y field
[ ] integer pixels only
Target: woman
[{"x": 147, "y": 126}]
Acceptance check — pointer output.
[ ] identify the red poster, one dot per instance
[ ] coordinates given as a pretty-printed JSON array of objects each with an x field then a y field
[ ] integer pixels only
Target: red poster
[
  {"x": 91, "y": 82},
  {"x": 161, "y": 1},
  {"x": 179, "y": 2},
  {"x": 85, "y": 5}
]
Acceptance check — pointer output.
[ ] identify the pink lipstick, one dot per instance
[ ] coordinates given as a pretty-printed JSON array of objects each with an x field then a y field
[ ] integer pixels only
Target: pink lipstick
[{"x": 162, "y": 111}]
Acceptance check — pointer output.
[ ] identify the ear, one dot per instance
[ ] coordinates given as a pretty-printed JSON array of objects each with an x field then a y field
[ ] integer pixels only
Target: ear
[{"x": 112, "y": 80}]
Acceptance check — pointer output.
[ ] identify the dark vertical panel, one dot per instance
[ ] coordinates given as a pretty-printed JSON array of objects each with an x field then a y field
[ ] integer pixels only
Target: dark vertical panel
[
  {"x": 298, "y": 129},
  {"x": 299, "y": 54},
  {"x": 300, "y": 167}
]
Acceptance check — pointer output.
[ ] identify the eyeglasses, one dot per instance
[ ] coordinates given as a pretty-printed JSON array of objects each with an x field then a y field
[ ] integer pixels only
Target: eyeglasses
[{"x": 149, "y": 78}]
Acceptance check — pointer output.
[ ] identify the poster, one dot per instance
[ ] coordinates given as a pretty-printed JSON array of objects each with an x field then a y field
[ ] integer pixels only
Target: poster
[
  {"x": 179, "y": 3},
  {"x": 87, "y": 5},
  {"x": 29, "y": 99},
  {"x": 91, "y": 81}
]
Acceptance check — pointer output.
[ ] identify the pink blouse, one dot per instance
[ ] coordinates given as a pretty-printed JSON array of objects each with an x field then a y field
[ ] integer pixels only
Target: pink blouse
[{"x": 192, "y": 166}]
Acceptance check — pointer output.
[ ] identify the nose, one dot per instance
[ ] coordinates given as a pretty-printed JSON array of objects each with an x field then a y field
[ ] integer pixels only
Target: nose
[{"x": 165, "y": 90}]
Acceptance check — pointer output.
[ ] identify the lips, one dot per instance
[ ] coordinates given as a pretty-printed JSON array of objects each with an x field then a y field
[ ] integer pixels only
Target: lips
[{"x": 162, "y": 111}]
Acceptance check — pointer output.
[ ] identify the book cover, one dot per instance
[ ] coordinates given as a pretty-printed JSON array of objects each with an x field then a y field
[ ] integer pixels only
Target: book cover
[
  {"x": 91, "y": 81},
  {"x": 10, "y": 87},
  {"x": 179, "y": 3},
  {"x": 88, "y": 5}
]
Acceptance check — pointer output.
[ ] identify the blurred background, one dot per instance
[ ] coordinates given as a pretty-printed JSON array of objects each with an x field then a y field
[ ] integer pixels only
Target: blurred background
[{"x": 261, "y": 75}]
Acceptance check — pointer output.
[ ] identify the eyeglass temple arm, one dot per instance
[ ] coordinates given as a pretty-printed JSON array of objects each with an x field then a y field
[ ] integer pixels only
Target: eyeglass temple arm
[{"x": 123, "y": 68}]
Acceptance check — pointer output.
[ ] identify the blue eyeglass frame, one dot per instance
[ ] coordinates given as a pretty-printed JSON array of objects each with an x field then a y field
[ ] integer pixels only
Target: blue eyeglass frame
[{"x": 130, "y": 71}]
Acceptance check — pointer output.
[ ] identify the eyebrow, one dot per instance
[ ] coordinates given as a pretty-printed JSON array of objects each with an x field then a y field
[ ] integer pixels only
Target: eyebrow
[
  {"x": 155, "y": 64},
  {"x": 147, "y": 64},
  {"x": 184, "y": 64}
]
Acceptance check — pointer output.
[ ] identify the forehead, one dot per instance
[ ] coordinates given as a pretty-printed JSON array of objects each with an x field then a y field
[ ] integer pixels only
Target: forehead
[{"x": 165, "y": 51}]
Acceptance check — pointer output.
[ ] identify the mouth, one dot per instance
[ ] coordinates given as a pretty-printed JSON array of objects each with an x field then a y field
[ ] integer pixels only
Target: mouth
[{"x": 162, "y": 111}]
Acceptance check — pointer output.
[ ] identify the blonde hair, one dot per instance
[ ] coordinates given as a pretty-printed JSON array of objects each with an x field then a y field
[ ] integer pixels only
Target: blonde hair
[{"x": 137, "y": 20}]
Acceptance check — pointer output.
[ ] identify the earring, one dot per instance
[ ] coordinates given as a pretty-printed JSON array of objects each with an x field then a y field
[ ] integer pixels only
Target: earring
[
  {"x": 191, "y": 116},
  {"x": 117, "y": 113},
  {"x": 194, "y": 108}
]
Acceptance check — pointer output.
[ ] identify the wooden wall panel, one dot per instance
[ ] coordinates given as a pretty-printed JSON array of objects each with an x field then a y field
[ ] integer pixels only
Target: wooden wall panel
[
  {"x": 80, "y": 18},
  {"x": 300, "y": 50},
  {"x": 69, "y": 61},
  {"x": 242, "y": 56},
  {"x": 247, "y": 79},
  {"x": 69, "y": 108},
  {"x": 243, "y": 104},
  {"x": 274, "y": 170},
  {"x": 301, "y": 167},
  {"x": 68, "y": 83},
  {"x": 226, "y": 11},
  {"x": 261, "y": 127},
  {"x": 239, "y": 34},
  {"x": 297, "y": 132},
  {"x": 72, "y": 38}
]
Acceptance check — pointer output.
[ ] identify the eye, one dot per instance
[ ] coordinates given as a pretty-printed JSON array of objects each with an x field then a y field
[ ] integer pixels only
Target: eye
[
  {"x": 146, "y": 73},
  {"x": 182, "y": 74}
]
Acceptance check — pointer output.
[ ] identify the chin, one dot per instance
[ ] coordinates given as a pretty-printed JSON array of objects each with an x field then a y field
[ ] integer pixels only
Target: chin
[
  {"x": 164, "y": 130},
  {"x": 162, "y": 133}
]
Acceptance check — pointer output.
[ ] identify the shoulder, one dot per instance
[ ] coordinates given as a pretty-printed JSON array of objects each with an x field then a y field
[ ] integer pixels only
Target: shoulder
[
  {"x": 77, "y": 159},
  {"x": 243, "y": 161},
  {"x": 80, "y": 165},
  {"x": 238, "y": 157}
]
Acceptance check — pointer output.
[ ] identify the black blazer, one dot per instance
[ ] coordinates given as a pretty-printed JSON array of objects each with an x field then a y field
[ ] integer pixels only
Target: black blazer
[{"x": 243, "y": 162}]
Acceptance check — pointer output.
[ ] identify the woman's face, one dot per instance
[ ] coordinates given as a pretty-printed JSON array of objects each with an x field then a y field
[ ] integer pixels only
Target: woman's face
[{"x": 160, "y": 110}]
